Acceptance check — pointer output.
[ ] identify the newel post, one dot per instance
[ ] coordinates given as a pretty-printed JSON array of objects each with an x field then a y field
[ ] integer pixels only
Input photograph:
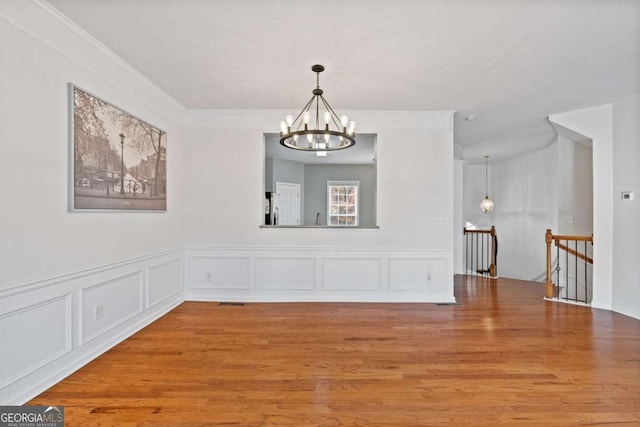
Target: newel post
[
  {"x": 492, "y": 266},
  {"x": 548, "y": 237}
]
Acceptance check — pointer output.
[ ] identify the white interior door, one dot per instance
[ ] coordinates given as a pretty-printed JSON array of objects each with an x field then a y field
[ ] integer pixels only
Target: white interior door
[{"x": 287, "y": 203}]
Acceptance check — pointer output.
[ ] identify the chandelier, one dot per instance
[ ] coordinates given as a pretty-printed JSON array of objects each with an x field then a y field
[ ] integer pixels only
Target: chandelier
[
  {"x": 486, "y": 204},
  {"x": 317, "y": 127}
]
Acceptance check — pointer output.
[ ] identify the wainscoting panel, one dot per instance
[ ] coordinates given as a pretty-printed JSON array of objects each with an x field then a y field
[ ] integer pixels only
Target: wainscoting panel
[
  {"x": 285, "y": 273},
  {"x": 50, "y": 328},
  {"x": 411, "y": 274},
  {"x": 117, "y": 301},
  {"x": 164, "y": 281},
  {"x": 220, "y": 272},
  {"x": 350, "y": 273},
  {"x": 33, "y": 336}
]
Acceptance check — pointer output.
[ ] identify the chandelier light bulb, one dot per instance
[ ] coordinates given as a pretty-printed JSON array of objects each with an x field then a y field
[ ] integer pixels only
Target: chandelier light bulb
[
  {"x": 306, "y": 117},
  {"x": 327, "y": 117},
  {"x": 344, "y": 120},
  {"x": 309, "y": 137},
  {"x": 295, "y": 140},
  {"x": 289, "y": 120},
  {"x": 283, "y": 127},
  {"x": 352, "y": 127}
]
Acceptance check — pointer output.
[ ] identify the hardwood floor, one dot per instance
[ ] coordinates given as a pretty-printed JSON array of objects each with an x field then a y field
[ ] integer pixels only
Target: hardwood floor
[{"x": 503, "y": 357}]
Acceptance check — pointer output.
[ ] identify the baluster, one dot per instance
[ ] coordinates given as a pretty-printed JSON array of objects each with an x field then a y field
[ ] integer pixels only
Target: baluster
[
  {"x": 566, "y": 271},
  {"x": 494, "y": 262},
  {"x": 466, "y": 250},
  {"x": 558, "y": 272},
  {"x": 482, "y": 256},
  {"x": 586, "y": 296},
  {"x": 476, "y": 257}
]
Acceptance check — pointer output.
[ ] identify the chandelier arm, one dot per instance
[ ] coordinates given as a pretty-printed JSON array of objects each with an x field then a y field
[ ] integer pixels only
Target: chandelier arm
[
  {"x": 305, "y": 108},
  {"x": 334, "y": 116}
]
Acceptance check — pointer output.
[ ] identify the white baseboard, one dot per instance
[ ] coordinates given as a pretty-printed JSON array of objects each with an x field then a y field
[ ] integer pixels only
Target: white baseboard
[{"x": 635, "y": 313}]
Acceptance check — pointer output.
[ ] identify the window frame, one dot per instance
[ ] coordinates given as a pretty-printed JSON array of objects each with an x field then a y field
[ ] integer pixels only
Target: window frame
[{"x": 356, "y": 215}]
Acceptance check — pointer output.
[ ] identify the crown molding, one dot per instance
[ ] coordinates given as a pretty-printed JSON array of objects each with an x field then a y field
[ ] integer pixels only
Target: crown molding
[
  {"x": 46, "y": 24},
  {"x": 368, "y": 121}
]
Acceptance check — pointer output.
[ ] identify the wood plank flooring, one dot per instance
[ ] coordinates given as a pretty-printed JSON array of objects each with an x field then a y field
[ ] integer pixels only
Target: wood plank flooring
[{"x": 503, "y": 357}]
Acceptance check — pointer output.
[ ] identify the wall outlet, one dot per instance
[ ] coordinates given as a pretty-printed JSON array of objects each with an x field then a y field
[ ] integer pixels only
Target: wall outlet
[
  {"x": 98, "y": 312},
  {"x": 208, "y": 277},
  {"x": 440, "y": 220},
  {"x": 567, "y": 219},
  {"x": 627, "y": 195}
]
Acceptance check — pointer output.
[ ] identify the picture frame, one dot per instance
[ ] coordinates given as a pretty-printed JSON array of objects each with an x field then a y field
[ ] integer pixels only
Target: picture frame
[{"x": 118, "y": 162}]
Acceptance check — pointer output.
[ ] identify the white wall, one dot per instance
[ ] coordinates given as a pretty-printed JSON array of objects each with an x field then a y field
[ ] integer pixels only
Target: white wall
[
  {"x": 56, "y": 267},
  {"x": 38, "y": 236},
  {"x": 523, "y": 191},
  {"x": 415, "y": 185},
  {"x": 575, "y": 188},
  {"x": 626, "y": 213},
  {"x": 458, "y": 216},
  {"x": 596, "y": 123}
]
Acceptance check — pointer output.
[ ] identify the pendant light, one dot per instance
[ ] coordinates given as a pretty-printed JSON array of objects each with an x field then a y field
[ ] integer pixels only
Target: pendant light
[
  {"x": 486, "y": 205},
  {"x": 305, "y": 132}
]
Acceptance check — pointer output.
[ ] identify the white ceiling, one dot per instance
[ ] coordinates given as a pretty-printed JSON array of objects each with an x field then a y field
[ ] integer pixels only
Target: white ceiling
[{"x": 509, "y": 62}]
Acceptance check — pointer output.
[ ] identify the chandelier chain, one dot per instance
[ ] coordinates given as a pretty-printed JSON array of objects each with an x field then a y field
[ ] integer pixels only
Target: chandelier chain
[{"x": 486, "y": 176}]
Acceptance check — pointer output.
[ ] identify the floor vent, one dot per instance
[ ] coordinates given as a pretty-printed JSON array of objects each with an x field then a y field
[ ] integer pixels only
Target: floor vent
[{"x": 232, "y": 303}]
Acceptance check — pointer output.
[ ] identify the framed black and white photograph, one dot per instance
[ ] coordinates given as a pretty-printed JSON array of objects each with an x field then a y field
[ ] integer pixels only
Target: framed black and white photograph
[{"x": 119, "y": 162}]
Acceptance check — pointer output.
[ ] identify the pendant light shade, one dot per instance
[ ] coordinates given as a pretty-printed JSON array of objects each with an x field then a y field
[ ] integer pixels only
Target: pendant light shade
[{"x": 486, "y": 205}]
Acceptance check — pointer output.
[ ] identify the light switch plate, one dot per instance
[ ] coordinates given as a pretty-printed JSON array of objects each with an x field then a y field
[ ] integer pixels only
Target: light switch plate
[{"x": 440, "y": 220}]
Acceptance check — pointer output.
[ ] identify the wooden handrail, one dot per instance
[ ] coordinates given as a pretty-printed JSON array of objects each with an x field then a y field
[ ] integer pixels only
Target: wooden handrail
[
  {"x": 550, "y": 237},
  {"x": 492, "y": 231},
  {"x": 574, "y": 252},
  {"x": 578, "y": 238}
]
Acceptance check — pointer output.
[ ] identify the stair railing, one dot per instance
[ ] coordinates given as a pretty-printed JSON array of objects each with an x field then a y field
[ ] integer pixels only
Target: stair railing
[
  {"x": 481, "y": 252},
  {"x": 573, "y": 263}
]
